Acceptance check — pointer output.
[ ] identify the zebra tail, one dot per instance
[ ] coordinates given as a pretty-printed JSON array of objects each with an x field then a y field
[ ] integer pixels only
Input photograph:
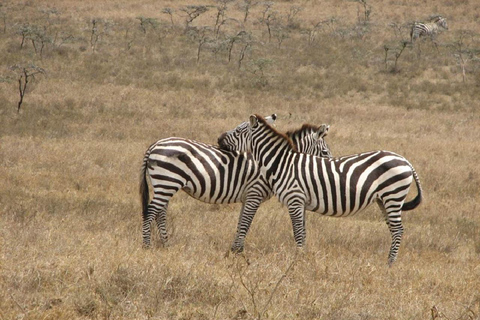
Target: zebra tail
[
  {"x": 418, "y": 199},
  {"x": 144, "y": 192}
]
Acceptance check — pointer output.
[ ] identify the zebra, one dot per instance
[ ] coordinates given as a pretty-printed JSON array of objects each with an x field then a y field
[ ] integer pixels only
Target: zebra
[
  {"x": 208, "y": 174},
  {"x": 428, "y": 29},
  {"x": 330, "y": 186}
]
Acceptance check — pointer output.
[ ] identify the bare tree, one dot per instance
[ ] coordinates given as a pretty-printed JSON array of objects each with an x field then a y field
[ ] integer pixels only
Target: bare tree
[
  {"x": 268, "y": 18},
  {"x": 25, "y": 73},
  {"x": 397, "y": 52},
  {"x": 462, "y": 52}
]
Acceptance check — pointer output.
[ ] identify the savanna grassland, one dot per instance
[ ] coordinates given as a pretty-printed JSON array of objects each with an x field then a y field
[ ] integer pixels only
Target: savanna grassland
[{"x": 108, "y": 78}]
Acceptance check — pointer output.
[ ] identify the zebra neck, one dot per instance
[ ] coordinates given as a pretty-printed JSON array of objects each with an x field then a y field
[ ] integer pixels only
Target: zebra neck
[{"x": 273, "y": 158}]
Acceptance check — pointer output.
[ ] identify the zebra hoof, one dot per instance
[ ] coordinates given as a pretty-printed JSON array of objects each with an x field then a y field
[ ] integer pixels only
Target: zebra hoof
[{"x": 236, "y": 250}]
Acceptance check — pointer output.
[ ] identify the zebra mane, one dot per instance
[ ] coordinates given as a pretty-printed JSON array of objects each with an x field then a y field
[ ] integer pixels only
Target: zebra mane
[
  {"x": 305, "y": 128},
  {"x": 435, "y": 18},
  {"x": 276, "y": 132}
]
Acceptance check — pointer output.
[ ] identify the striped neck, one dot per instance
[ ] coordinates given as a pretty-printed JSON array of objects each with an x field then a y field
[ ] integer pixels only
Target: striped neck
[{"x": 269, "y": 147}]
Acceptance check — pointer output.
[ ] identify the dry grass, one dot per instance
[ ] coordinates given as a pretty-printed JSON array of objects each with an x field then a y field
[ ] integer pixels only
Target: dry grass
[{"x": 70, "y": 214}]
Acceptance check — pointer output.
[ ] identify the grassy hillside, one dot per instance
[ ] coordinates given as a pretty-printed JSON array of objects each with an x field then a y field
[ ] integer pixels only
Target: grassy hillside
[{"x": 108, "y": 78}]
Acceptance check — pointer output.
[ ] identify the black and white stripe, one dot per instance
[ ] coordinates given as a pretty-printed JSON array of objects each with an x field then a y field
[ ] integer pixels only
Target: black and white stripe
[
  {"x": 334, "y": 187},
  {"x": 206, "y": 173},
  {"x": 311, "y": 139},
  {"x": 428, "y": 29}
]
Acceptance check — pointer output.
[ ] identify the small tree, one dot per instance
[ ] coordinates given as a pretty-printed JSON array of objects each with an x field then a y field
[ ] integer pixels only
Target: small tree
[
  {"x": 258, "y": 68},
  {"x": 221, "y": 16},
  {"x": 25, "y": 73},
  {"x": 367, "y": 11},
  {"x": 246, "y": 6},
  {"x": 170, "y": 12},
  {"x": 462, "y": 51},
  {"x": 292, "y": 13},
  {"x": 199, "y": 35},
  {"x": 268, "y": 18},
  {"x": 397, "y": 51},
  {"x": 193, "y": 12},
  {"x": 147, "y": 23},
  {"x": 97, "y": 30}
]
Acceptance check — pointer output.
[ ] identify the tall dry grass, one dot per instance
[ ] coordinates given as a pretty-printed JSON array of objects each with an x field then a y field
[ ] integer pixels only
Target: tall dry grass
[{"x": 70, "y": 213}]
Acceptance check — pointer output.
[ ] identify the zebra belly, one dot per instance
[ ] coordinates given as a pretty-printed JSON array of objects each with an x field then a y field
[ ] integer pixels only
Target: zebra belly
[{"x": 214, "y": 200}]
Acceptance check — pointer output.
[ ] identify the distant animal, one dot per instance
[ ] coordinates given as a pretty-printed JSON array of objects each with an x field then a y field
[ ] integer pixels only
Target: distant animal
[
  {"x": 428, "y": 29},
  {"x": 335, "y": 187},
  {"x": 212, "y": 175}
]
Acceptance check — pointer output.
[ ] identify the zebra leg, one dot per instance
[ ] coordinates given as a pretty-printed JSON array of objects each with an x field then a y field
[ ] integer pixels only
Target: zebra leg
[
  {"x": 146, "y": 226},
  {"x": 161, "y": 219},
  {"x": 394, "y": 223},
  {"x": 249, "y": 208},
  {"x": 296, "y": 209},
  {"x": 157, "y": 209}
]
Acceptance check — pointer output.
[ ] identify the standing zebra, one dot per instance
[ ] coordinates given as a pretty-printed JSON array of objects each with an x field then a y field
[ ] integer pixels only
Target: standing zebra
[
  {"x": 209, "y": 174},
  {"x": 333, "y": 187},
  {"x": 428, "y": 29}
]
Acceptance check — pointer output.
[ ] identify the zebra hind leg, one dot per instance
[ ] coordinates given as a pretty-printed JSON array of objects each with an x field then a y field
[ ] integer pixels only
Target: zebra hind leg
[
  {"x": 146, "y": 226},
  {"x": 157, "y": 209},
  {"x": 161, "y": 220},
  {"x": 393, "y": 217}
]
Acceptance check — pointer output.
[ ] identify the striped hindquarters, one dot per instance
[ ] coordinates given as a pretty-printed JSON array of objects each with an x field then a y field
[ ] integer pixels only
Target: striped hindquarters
[
  {"x": 203, "y": 171},
  {"x": 346, "y": 185}
]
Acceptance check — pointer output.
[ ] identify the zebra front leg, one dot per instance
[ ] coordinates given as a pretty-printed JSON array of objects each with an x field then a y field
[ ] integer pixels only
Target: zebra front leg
[
  {"x": 296, "y": 209},
  {"x": 249, "y": 208}
]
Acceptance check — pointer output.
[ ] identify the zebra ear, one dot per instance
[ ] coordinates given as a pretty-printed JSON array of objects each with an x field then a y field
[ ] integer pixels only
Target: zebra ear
[
  {"x": 271, "y": 119},
  {"x": 253, "y": 121},
  {"x": 323, "y": 130}
]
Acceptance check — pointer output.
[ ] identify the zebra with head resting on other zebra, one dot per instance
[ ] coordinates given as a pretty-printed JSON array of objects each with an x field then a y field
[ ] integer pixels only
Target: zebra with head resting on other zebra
[
  {"x": 334, "y": 187},
  {"x": 428, "y": 29},
  {"x": 212, "y": 175}
]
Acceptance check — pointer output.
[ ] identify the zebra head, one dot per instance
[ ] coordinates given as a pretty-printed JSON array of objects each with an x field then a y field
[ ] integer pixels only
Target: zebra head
[
  {"x": 441, "y": 22},
  {"x": 308, "y": 139},
  {"x": 311, "y": 139},
  {"x": 237, "y": 139}
]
